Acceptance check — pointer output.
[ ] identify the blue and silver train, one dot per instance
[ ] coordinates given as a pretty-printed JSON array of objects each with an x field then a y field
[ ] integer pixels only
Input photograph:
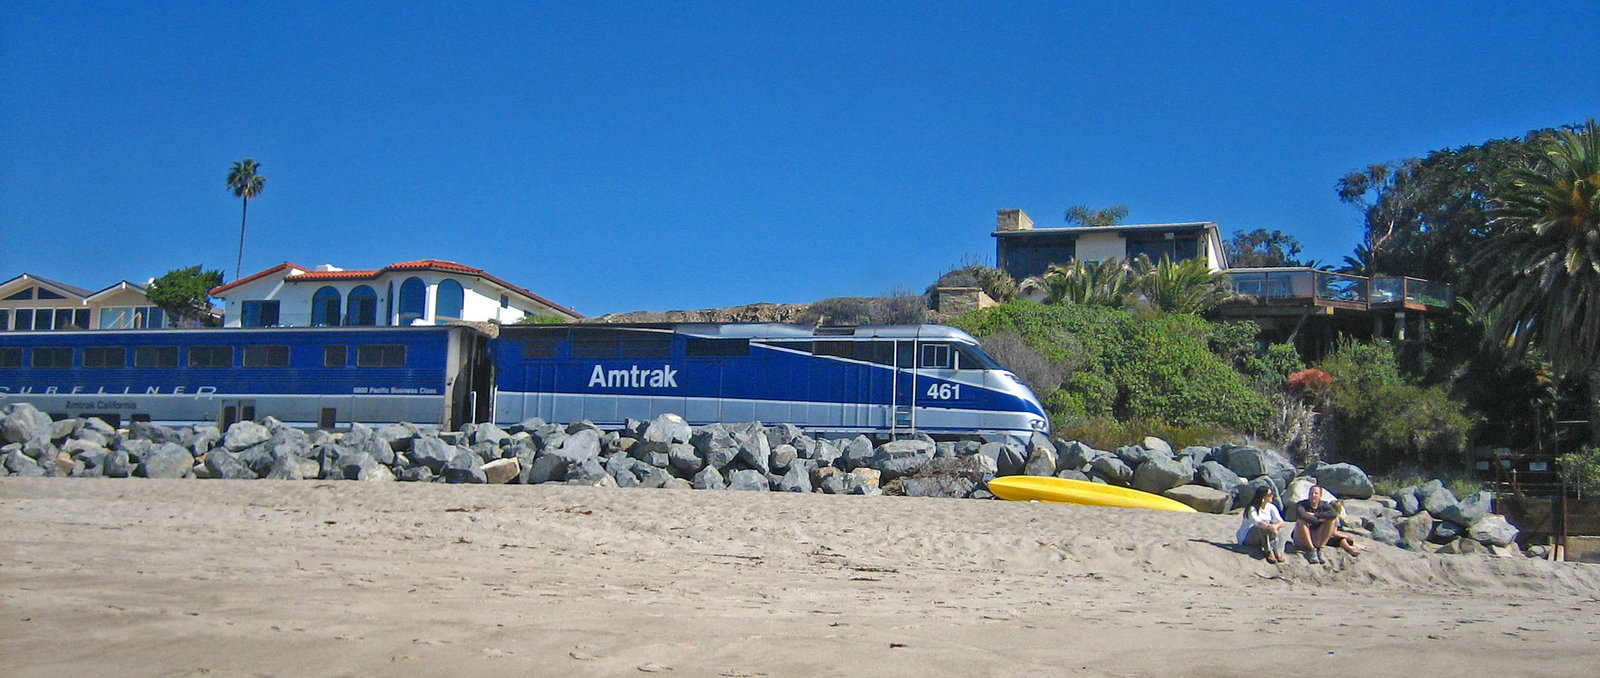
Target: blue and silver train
[{"x": 868, "y": 379}]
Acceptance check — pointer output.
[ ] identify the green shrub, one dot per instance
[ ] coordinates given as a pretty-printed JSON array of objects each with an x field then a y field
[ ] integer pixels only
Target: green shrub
[
  {"x": 1382, "y": 419},
  {"x": 1408, "y": 475},
  {"x": 1104, "y": 433},
  {"x": 1156, "y": 367},
  {"x": 533, "y": 319},
  {"x": 1581, "y": 470}
]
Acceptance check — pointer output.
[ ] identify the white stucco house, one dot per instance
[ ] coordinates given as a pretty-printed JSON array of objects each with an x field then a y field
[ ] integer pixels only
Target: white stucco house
[{"x": 425, "y": 292}]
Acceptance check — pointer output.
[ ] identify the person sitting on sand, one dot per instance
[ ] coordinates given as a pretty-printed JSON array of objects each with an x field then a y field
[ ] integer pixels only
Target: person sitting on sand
[
  {"x": 1262, "y": 525},
  {"x": 1315, "y": 524},
  {"x": 1341, "y": 539}
]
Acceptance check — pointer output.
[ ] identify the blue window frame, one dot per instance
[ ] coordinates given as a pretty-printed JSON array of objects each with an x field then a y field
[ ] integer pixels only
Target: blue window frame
[
  {"x": 325, "y": 305},
  {"x": 450, "y": 300},
  {"x": 413, "y": 301},
  {"x": 361, "y": 308}
]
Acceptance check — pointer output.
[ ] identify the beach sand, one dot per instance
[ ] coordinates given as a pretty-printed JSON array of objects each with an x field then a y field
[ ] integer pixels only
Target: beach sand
[{"x": 187, "y": 577}]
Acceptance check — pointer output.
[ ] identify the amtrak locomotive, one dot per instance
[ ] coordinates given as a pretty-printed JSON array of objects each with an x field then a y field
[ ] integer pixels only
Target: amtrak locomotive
[{"x": 868, "y": 379}]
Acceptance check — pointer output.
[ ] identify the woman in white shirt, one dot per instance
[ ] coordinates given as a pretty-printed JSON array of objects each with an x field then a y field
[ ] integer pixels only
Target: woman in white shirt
[{"x": 1262, "y": 525}]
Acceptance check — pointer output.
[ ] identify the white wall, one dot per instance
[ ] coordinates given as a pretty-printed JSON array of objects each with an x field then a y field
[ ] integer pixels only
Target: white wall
[
  {"x": 481, "y": 302},
  {"x": 1101, "y": 246}
]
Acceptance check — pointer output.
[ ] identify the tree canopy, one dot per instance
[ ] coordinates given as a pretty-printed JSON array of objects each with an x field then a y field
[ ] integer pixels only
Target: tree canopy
[
  {"x": 1084, "y": 215},
  {"x": 184, "y": 293},
  {"x": 1262, "y": 248}
]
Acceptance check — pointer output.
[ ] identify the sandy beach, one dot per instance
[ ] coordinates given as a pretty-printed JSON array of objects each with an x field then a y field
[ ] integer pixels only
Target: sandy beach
[{"x": 186, "y": 577}]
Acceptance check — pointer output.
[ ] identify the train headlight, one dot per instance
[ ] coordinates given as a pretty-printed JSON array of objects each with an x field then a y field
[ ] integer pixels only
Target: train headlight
[{"x": 1039, "y": 424}]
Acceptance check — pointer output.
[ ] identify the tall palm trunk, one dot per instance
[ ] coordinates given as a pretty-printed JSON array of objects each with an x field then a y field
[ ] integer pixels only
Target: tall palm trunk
[{"x": 239, "y": 263}]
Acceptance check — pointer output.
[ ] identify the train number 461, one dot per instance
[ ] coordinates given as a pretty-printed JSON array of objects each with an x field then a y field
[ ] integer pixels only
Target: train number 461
[{"x": 944, "y": 391}]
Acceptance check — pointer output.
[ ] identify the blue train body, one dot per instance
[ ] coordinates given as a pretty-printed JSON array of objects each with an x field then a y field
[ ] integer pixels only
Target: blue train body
[
  {"x": 881, "y": 379},
  {"x": 884, "y": 379},
  {"x": 305, "y": 377}
]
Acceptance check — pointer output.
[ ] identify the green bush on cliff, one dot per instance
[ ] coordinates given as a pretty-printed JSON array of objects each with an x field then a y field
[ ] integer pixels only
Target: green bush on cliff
[{"x": 1155, "y": 367}]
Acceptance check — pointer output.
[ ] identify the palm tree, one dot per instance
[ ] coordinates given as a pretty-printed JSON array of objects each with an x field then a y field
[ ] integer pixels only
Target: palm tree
[
  {"x": 1106, "y": 283},
  {"x": 1542, "y": 272},
  {"x": 245, "y": 184},
  {"x": 1189, "y": 286}
]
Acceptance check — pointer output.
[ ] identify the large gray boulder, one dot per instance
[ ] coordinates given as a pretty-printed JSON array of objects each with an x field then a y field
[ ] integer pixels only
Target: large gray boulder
[
  {"x": 898, "y": 458},
  {"x": 22, "y": 422},
  {"x": 1076, "y": 455},
  {"x": 226, "y": 465},
  {"x": 19, "y": 464},
  {"x": 1406, "y": 501},
  {"x": 1383, "y": 530},
  {"x": 578, "y": 447},
  {"x": 465, "y": 468},
  {"x": 1009, "y": 459},
  {"x": 754, "y": 450},
  {"x": 1436, "y": 500},
  {"x": 1251, "y": 462},
  {"x": 1042, "y": 461},
  {"x": 653, "y": 453},
  {"x": 1347, "y": 481},
  {"x": 684, "y": 459},
  {"x": 1493, "y": 530},
  {"x": 797, "y": 479},
  {"x": 1469, "y": 509},
  {"x": 709, "y": 478},
  {"x": 489, "y": 433},
  {"x": 942, "y": 486},
  {"x": 783, "y": 434},
  {"x": 858, "y": 452},
  {"x": 1112, "y": 469},
  {"x": 668, "y": 428},
  {"x": 1199, "y": 497},
  {"x": 1218, "y": 477},
  {"x": 353, "y": 464},
  {"x": 783, "y": 456},
  {"x": 1134, "y": 455},
  {"x": 432, "y": 452},
  {"x": 1155, "y": 444},
  {"x": 117, "y": 464},
  {"x": 1159, "y": 474},
  {"x": 1416, "y": 528},
  {"x": 748, "y": 480},
  {"x": 166, "y": 460},
  {"x": 244, "y": 434}
]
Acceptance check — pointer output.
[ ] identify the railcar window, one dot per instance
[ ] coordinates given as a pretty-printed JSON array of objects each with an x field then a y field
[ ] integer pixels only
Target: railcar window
[
  {"x": 335, "y": 356},
  {"x": 881, "y": 352},
  {"x": 155, "y": 356},
  {"x": 936, "y": 356},
  {"x": 266, "y": 356},
  {"x": 10, "y": 357},
  {"x": 974, "y": 359},
  {"x": 538, "y": 349},
  {"x": 381, "y": 355},
  {"x": 801, "y": 346},
  {"x": 105, "y": 356},
  {"x": 697, "y": 346},
  {"x": 906, "y": 354},
  {"x": 211, "y": 356},
  {"x": 52, "y": 357}
]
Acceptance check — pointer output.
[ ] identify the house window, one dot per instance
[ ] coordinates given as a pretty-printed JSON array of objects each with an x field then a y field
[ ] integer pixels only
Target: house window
[
  {"x": 52, "y": 357},
  {"x": 362, "y": 307},
  {"x": 266, "y": 356},
  {"x": 413, "y": 301},
  {"x": 24, "y": 319},
  {"x": 259, "y": 313},
  {"x": 105, "y": 356},
  {"x": 211, "y": 356},
  {"x": 325, "y": 307},
  {"x": 1023, "y": 257},
  {"x": 5, "y": 319},
  {"x": 132, "y": 318},
  {"x": 155, "y": 356},
  {"x": 505, "y": 301},
  {"x": 381, "y": 356},
  {"x": 1167, "y": 246},
  {"x": 24, "y": 295},
  {"x": 69, "y": 318},
  {"x": 451, "y": 298},
  {"x": 47, "y": 294}
]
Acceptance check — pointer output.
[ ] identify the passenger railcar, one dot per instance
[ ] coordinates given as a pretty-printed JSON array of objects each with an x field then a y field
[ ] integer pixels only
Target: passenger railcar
[
  {"x": 878, "y": 379},
  {"x": 322, "y": 377}
]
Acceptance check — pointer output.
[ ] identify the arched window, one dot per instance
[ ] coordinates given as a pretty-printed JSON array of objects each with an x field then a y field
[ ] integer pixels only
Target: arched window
[
  {"x": 450, "y": 299},
  {"x": 413, "y": 301},
  {"x": 325, "y": 307},
  {"x": 362, "y": 307}
]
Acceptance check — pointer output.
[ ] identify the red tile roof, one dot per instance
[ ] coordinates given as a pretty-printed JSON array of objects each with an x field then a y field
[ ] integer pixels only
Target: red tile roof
[
  {"x": 307, "y": 275},
  {"x": 217, "y": 291}
]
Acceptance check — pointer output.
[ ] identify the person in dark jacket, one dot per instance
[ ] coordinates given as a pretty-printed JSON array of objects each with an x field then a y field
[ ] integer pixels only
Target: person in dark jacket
[{"x": 1314, "y": 524}]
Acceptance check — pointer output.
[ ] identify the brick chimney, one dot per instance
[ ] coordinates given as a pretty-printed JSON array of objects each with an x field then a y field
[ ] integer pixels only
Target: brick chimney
[{"x": 1013, "y": 220}]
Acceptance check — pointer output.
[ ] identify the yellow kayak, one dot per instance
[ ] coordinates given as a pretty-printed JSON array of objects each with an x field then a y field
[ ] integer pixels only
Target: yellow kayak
[{"x": 1065, "y": 491}]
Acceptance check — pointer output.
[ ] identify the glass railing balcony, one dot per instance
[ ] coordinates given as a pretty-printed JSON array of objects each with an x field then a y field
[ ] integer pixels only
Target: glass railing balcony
[
  {"x": 1411, "y": 291},
  {"x": 1269, "y": 285}
]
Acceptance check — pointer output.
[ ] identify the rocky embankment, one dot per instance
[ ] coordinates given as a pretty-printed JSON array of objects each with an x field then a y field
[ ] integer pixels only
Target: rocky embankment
[{"x": 668, "y": 453}]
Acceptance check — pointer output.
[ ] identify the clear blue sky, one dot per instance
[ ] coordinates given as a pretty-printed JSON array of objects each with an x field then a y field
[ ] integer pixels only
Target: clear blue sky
[{"x": 657, "y": 156}]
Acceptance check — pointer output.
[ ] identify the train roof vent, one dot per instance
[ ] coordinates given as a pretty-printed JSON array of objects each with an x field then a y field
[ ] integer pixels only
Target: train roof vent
[{"x": 836, "y": 331}]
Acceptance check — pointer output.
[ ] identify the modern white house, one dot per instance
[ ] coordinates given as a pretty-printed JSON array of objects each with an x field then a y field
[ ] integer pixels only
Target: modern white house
[
  {"x": 29, "y": 302},
  {"x": 424, "y": 292},
  {"x": 1025, "y": 251}
]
